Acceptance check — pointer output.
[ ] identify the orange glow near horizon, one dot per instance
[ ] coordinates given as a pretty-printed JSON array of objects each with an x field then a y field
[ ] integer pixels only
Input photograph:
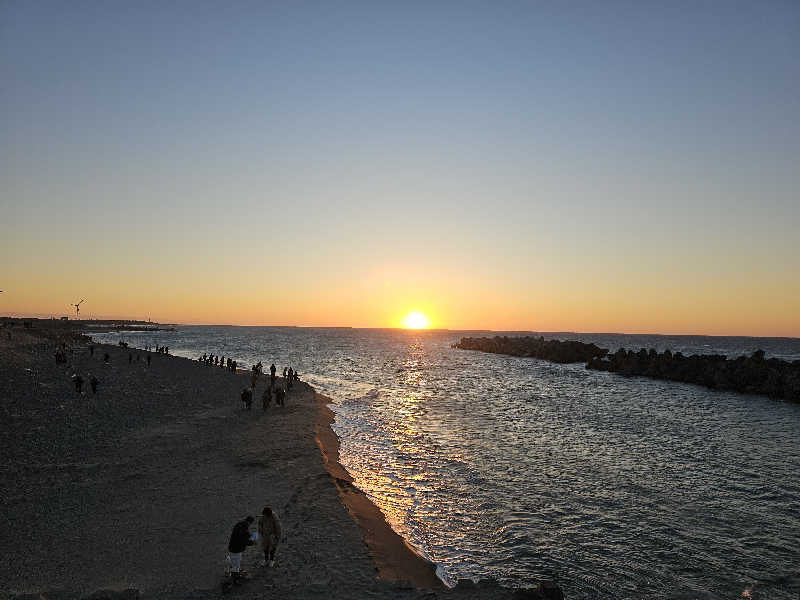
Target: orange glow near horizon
[
  {"x": 386, "y": 183},
  {"x": 385, "y": 293},
  {"x": 416, "y": 320}
]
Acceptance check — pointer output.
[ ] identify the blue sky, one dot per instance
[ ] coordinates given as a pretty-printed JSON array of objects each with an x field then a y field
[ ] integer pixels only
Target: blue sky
[{"x": 513, "y": 142}]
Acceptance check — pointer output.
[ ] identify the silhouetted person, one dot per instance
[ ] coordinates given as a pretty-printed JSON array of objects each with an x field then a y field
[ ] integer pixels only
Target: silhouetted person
[
  {"x": 240, "y": 540},
  {"x": 78, "y": 381},
  {"x": 247, "y": 398},
  {"x": 266, "y": 398},
  {"x": 149, "y": 358},
  {"x": 91, "y": 350},
  {"x": 93, "y": 382},
  {"x": 269, "y": 532},
  {"x": 289, "y": 379},
  {"x": 106, "y": 358},
  {"x": 284, "y": 372},
  {"x": 280, "y": 396},
  {"x": 254, "y": 377}
]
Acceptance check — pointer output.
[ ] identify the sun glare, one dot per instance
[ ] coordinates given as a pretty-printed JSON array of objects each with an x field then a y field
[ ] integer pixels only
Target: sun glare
[{"x": 416, "y": 320}]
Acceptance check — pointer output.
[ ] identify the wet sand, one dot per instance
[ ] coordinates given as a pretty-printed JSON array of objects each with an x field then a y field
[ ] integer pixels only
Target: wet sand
[
  {"x": 394, "y": 560},
  {"x": 138, "y": 486}
]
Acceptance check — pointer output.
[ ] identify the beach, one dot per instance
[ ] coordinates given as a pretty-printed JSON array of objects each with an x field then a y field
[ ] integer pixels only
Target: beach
[{"x": 137, "y": 487}]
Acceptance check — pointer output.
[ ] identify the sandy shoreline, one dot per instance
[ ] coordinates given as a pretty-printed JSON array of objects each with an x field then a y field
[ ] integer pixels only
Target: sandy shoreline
[
  {"x": 138, "y": 487},
  {"x": 394, "y": 560}
]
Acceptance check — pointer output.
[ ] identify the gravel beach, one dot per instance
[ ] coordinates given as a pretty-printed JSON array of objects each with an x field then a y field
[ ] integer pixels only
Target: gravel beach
[{"x": 133, "y": 491}]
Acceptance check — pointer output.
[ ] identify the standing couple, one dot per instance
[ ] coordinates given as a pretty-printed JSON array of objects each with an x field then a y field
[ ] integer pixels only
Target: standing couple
[{"x": 269, "y": 534}]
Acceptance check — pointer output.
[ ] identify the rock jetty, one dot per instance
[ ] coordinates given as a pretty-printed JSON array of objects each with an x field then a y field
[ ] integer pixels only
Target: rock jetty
[
  {"x": 753, "y": 374},
  {"x": 746, "y": 374},
  {"x": 552, "y": 350}
]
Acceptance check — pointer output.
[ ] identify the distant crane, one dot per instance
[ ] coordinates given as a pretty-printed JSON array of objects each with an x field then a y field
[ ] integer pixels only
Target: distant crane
[{"x": 78, "y": 307}]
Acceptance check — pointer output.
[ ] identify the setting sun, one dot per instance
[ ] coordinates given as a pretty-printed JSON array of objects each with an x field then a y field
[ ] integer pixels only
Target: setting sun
[{"x": 416, "y": 320}]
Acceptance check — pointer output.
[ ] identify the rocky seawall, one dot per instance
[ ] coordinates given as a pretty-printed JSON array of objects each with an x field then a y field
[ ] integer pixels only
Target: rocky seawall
[
  {"x": 746, "y": 374},
  {"x": 753, "y": 374},
  {"x": 534, "y": 347}
]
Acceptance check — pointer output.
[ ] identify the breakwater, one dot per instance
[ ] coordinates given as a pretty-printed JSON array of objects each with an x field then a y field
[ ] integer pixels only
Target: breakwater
[
  {"x": 534, "y": 347},
  {"x": 752, "y": 374}
]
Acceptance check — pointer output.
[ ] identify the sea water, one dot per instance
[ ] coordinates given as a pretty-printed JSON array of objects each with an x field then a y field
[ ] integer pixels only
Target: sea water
[{"x": 518, "y": 469}]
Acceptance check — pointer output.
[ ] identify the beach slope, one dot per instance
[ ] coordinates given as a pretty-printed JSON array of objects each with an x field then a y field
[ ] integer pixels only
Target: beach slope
[{"x": 137, "y": 487}]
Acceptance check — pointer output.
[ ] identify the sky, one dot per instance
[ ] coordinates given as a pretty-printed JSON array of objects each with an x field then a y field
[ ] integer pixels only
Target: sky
[{"x": 545, "y": 166}]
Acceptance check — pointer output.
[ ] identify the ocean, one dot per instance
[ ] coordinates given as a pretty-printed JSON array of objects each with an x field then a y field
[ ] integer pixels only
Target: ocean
[{"x": 518, "y": 469}]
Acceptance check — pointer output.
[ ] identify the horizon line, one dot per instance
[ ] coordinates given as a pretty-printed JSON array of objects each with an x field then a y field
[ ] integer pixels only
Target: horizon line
[{"x": 40, "y": 316}]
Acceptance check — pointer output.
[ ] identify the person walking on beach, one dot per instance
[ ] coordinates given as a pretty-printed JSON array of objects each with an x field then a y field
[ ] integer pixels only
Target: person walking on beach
[
  {"x": 266, "y": 398},
  {"x": 269, "y": 530},
  {"x": 247, "y": 398},
  {"x": 240, "y": 540},
  {"x": 253, "y": 377},
  {"x": 78, "y": 381},
  {"x": 272, "y": 370},
  {"x": 289, "y": 379},
  {"x": 280, "y": 396}
]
